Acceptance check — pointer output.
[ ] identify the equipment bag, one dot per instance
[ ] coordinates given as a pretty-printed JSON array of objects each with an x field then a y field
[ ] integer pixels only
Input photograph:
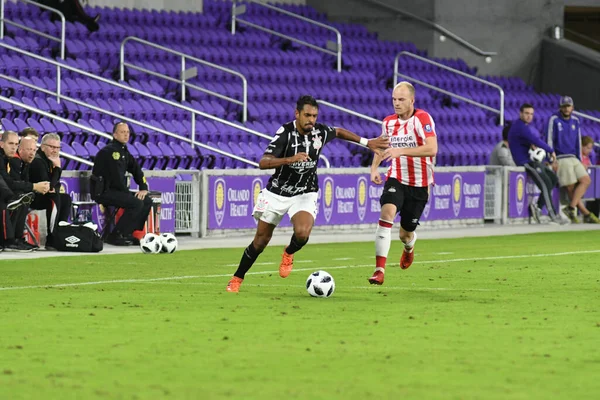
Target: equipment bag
[{"x": 78, "y": 238}]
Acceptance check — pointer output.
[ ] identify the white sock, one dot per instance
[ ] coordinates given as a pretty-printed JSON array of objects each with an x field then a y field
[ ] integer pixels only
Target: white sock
[
  {"x": 383, "y": 241},
  {"x": 410, "y": 246}
]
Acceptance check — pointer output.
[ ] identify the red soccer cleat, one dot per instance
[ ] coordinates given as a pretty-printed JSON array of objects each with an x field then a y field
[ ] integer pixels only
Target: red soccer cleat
[
  {"x": 407, "y": 258},
  {"x": 234, "y": 284},
  {"x": 378, "y": 276},
  {"x": 287, "y": 263}
]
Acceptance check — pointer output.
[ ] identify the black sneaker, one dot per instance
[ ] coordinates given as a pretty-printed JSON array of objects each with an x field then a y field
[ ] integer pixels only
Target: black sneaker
[
  {"x": 26, "y": 243},
  {"x": 17, "y": 247},
  {"x": 21, "y": 200},
  {"x": 118, "y": 240}
]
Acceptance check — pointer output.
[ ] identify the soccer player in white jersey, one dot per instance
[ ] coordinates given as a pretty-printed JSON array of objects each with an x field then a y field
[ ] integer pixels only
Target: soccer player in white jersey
[
  {"x": 294, "y": 153},
  {"x": 413, "y": 146}
]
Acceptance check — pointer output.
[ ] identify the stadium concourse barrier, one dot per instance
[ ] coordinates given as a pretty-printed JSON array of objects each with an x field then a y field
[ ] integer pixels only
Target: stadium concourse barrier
[{"x": 220, "y": 202}]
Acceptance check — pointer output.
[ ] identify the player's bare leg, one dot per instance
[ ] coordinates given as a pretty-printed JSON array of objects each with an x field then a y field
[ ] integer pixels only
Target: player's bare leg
[
  {"x": 263, "y": 235},
  {"x": 383, "y": 240},
  {"x": 409, "y": 239},
  {"x": 303, "y": 222}
]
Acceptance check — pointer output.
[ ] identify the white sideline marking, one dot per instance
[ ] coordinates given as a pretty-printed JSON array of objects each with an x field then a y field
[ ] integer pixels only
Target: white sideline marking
[
  {"x": 343, "y": 259},
  {"x": 443, "y": 253},
  {"x": 345, "y": 287},
  {"x": 172, "y": 278}
]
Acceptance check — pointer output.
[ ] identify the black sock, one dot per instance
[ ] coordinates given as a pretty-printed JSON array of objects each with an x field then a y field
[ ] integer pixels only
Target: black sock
[
  {"x": 294, "y": 245},
  {"x": 250, "y": 255}
]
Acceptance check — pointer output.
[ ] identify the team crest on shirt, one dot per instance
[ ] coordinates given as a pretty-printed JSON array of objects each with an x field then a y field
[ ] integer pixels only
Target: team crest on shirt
[
  {"x": 427, "y": 128},
  {"x": 317, "y": 142},
  {"x": 573, "y": 126},
  {"x": 116, "y": 155}
]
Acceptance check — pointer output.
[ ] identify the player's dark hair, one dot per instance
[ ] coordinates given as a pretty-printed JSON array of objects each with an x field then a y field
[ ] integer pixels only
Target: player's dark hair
[
  {"x": 505, "y": 131},
  {"x": 304, "y": 100},
  {"x": 524, "y": 106}
]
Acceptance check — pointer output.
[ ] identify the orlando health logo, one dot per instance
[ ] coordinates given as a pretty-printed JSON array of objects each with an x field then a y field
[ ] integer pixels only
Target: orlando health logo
[
  {"x": 257, "y": 186},
  {"x": 456, "y": 194},
  {"x": 520, "y": 193},
  {"x": 328, "y": 198},
  {"x": 361, "y": 199},
  {"x": 219, "y": 203}
]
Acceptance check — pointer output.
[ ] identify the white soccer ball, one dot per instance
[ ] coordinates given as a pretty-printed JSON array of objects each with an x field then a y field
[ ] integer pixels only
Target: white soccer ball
[
  {"x": 537, "y": 155},
  {"x": 320, "y": 284},
  {"x": 169, "y": 243},
  {"x": 151, "y": 243}
]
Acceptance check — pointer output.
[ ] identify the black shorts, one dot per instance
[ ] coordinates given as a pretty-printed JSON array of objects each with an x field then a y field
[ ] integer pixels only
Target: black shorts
[{"x": 410, "y": 202}]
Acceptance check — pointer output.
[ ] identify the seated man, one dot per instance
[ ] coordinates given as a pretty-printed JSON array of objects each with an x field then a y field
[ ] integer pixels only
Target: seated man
[
  {"x": 522, "y": 138},
  {"x": 46, "y": 167},
  {"x": 19, "y": 173},
  {"x": 501, "y": 154},
  {"x": 10, "y": 141},
  {"x": 109, "y": 187}
]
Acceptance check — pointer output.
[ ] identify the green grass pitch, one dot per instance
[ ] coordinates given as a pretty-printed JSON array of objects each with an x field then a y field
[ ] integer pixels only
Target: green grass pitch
[{"x": 513, "y": 317}]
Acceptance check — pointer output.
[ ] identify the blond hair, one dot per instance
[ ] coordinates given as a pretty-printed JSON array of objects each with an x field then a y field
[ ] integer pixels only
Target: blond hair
[
  {"x": 585, "y": 140},
  {"x": 408, "y": 85}
]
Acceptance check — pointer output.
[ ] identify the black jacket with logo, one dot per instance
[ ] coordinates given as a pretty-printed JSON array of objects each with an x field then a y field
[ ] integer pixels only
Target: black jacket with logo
[{"x": 112, "y": 162}]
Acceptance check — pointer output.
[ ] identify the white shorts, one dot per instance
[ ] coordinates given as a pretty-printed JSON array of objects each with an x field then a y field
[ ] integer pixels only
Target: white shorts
[{"x": 271, "y": 207}]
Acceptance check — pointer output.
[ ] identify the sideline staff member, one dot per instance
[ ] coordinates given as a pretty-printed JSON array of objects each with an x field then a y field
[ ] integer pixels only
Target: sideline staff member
[{"x": 109, "y": 186}]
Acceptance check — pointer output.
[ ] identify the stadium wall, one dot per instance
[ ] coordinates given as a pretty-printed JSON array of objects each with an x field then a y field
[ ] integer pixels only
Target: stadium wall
[
  {"x": 512, "y": 28},
  {"x": 562, "y": 64}
]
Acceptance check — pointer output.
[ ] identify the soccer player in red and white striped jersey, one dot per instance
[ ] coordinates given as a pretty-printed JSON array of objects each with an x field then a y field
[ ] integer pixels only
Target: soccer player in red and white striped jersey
[{"x": 412, "y": 153}]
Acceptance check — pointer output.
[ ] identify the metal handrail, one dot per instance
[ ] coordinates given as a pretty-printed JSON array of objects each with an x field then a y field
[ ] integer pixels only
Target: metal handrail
[
  {"x": 61, "y": 40},
  {"x": 123, "y": 64},
  {"x": 66, "y": 121},
  {"x": 130, "y": 120},
  {"x": 582, "y": 36},
  {"x": 438, "y": 28},
  {"x": 137, "y": 91},
  {"x": 454, "y": 70},
  {"x": 349, "y": 111},
  {"x": 235, "y": 11},
  {"x": 586, "y": 116}
]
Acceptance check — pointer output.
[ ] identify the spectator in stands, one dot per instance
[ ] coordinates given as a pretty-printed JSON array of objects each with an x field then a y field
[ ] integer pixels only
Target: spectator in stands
[
  {"x": 74, "y": 12},
  {"x": 15, "y": 217},
  {"x": 19, "y": 173},
  {"x": 521, "y": 138},
  {"x": 587, "y": 146},
  {"x": 30, "y": 132},
  {"x": 109, "y": 187},
  {"x": 46, "y": 166},
  {"x": 501, "y": 154},
  {"x": 564, "y": 134}
]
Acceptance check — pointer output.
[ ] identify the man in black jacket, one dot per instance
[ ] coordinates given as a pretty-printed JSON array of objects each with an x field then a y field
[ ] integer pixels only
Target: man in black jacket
[
  {"x": 13, "y": 218},
  {"x": 46, "y": 166},
  {"x": 19, "y": 174},
  {"x": 109, "y": 186}
]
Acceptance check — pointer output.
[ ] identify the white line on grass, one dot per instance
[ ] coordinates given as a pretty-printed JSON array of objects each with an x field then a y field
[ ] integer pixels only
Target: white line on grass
[
  {"x": 345, "y": 287},
  {"x": 172, "y": 278}
]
